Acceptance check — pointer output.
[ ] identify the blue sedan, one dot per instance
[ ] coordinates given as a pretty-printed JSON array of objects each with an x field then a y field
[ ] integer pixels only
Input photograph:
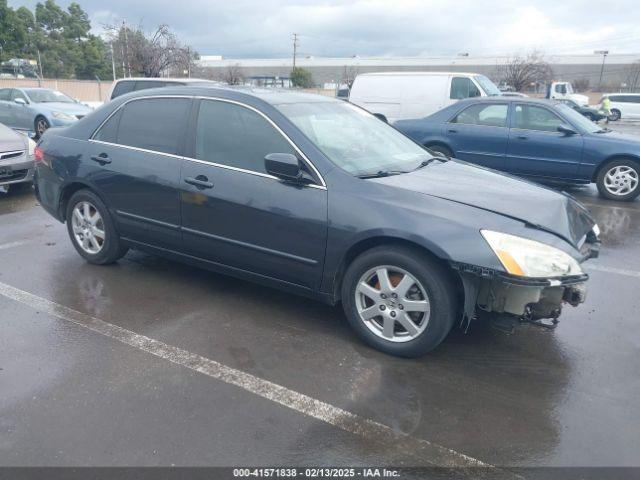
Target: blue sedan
[
  {"x": 541, "y": 139},
  {"x": 38, "y": 109}
]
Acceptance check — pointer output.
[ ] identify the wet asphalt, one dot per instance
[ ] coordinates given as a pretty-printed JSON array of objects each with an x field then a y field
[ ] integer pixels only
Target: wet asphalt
[{"x": 72, "y": 397}]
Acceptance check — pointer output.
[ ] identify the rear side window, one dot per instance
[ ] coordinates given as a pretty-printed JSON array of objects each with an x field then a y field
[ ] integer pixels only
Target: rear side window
[
  {"x": 121, "y": 88},
  {"x": 488, "y": 115},
  {"x": 530, "y": 117},
  {"x": 155, "y": 124},
  {"x": 5, "y": 94},
  {"x": 631, "y": 99},
  {"x": 144, "y": 84},
  {"x": 236, "y": 136},
  {"x": 463, "y": 87}
]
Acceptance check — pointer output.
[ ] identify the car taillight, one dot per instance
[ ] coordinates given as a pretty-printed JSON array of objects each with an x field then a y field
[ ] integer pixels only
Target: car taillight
[{"x": 38, "y": 155}]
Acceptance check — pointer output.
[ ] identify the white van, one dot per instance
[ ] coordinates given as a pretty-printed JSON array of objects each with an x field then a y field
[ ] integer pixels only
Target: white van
[
  {"x": 404, "y": 95},
  {"x": 623, "y": 105}
]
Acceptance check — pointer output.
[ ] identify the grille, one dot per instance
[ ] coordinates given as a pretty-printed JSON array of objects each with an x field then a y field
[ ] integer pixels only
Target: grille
[
  {"x": 13, "y": 175},
  {"x": 7, "y": 155}
]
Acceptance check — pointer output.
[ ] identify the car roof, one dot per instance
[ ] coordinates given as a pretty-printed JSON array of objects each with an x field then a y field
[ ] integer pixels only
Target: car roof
[
  {"x": 506, "y": 98},
  {"x": 164, "y": 79},
  {"x": 409, "y": 74},
  {"x": 273, "y": 96}
]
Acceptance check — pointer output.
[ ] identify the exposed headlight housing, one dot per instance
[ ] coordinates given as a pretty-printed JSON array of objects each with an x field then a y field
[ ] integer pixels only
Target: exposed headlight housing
[
  {"x": 63, "y": 116},
  {"x": 528, "y": 258},
  {"x": 31, "y": 147}
]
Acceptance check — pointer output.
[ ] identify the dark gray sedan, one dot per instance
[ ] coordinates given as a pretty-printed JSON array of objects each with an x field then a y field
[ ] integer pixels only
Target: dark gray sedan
[{"x": 319, "y": 198}]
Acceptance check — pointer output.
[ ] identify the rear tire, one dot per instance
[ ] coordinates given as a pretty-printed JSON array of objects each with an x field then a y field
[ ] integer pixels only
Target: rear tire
[
  {"x": 442, "y": 150},
  {"x": 92, "y": 230},
  {"x": 615, "y": 115},
  {"x": 619, "y": 180},
  {"x": 40, "y": 125},
  {"x": 408, "y": 315}
]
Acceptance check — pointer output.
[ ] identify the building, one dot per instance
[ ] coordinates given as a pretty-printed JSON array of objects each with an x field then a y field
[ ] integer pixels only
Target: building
[{"x": 617, "y": 69}]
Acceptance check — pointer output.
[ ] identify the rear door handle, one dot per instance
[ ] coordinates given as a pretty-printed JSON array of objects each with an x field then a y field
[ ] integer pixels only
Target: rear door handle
[
  {"x": 522, "y": 137},
  {"x": 102, "y": 159},
  {"x": 200, "y": 182}
]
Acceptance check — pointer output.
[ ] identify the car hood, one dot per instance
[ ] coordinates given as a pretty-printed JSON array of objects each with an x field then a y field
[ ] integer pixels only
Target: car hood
[
  {"x": 536, "y": 206},
  {"x": 71, "y": 108},
  {"x": 10, "y": 140},
  {"x": 633, "y": 140}
]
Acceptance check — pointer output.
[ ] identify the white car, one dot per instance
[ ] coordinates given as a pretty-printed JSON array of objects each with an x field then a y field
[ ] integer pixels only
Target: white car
[
  {"x": 623, "y": 105},
  {"x": 393, "y": 96},
  {"x": 16, "y": 157},
  {"x": 126, "y": 85}
]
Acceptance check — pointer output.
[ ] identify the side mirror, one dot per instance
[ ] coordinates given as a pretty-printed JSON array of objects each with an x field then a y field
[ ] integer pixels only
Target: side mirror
[
  {"x": 566, "y": 130},
  {"x": 20, "y": 101},
  {"x": 284, "y": 166}
]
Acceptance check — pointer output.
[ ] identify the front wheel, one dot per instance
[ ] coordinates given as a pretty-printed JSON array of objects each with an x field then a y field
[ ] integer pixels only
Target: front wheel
[
  {"x": 619, "y": 180},
  {"x": 615, "y": 115},
  {"x": 40, "y": 125},
  {"x": 399, "y": 300},
  {"x": 92, "y": 230},
  {"x": 442, "y": 150}
]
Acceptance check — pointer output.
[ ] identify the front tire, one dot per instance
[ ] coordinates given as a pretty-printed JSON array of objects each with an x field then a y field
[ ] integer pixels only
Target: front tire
[
  {"x": 40, "y": 125},
  {"x": 92, "y": 230},
  {"x": 399, "y": 300},
  {"x": 619, "y": 180},
  {"x": 615, "y": 115},
  {"x": 441, "y": 149}
]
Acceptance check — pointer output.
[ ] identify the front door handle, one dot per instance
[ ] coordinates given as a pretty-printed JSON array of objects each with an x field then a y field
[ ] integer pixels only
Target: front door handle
[
  {"x": 200, "y": 182},
  {"x": 451, "y": 130},
  {"x": 522, "y": 137},
  {"x": 102, "y": 159}
]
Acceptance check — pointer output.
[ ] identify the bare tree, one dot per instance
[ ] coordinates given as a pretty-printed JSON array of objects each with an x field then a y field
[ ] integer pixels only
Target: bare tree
[
  {"x": 581, "y": 84},
  {"x": 522, "y": 72},
  {"x": 233, "y": 75},
  {"x": 149, "y": 55},
  {"x": 349, "y": 75},
  {"x": 632, "y": 76}
]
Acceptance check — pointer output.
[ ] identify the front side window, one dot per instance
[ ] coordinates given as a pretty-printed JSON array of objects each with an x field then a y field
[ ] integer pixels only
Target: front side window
[
  {"x": 531, "y": 117},
  {"x": 155, "y": 124},
  {"x": 233, "y": 135},
  {"x": 18, "y": 94},
  {"x": 463, "y": 87},
  {"x": 48, "y": 96},
  {"x": 353, "y": 139},
  {"x": 493, "y": 115},
  {"x": 615, "y": 98},
  {"x": 561, "y": 88},
  {"x": 5, "y": 94}
]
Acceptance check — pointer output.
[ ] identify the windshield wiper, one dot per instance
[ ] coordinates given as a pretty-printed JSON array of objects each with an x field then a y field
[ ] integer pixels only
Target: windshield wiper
[
  {"x": 381, "y": 173},
  {"x": 428, "y": 161},
  {"x": 604, "y": 130}
]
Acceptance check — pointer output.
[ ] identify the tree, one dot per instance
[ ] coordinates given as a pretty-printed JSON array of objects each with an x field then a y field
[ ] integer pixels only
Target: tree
[
  {"x": 521, "y": 72},
  {"x": 581, "y": 84},
  {"x": 233, "y": 75},
  {"x": 301, "y": 78},
  {"x": 632, "y": 76}
]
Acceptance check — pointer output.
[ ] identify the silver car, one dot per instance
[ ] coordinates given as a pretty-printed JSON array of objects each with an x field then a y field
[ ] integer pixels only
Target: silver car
[{"x": 16, "y": 157}]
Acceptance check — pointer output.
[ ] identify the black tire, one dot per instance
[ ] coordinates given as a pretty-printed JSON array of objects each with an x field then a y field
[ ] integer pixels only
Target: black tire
[
  {"x": 591, "y": 117},
  {"x": 40, "y": 125},
  {"x": 602, "y": 174},
  {"x": 615, "y": 115},
  {"x": 111, "y": 248},
  {"x": 441, "y": 149},
  {"x": 435, "y": 279}
]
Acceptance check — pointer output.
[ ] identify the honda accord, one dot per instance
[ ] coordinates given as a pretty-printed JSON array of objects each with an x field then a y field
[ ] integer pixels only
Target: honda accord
[{"x": 317, "y": 197}]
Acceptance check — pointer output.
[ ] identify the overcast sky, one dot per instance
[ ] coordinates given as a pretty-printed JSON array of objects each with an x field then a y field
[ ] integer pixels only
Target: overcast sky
[{"x": 264, "y": 28}]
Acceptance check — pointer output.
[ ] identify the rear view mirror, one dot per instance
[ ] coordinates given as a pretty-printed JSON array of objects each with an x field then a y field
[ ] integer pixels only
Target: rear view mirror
[
  {"x": 284, "y": 166},
  {"x": 566, "y": 130},
  {"x": 20, "y": 101}
]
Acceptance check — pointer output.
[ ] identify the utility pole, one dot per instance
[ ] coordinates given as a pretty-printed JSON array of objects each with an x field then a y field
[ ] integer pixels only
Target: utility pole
[
  {"x": 113, "y": 63},
  {"x": 295, "y": 49},
  {"x": 126, "y": 47},
  {"x": 39, "y": 68},
  {"x": 604, "y": 54}
]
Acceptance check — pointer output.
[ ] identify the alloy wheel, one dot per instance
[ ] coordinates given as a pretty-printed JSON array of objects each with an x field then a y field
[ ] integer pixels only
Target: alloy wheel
[
  {"x": 88, "y": 227},
  {"x": 41, "y": 127},
  {"x": 392, "y": 303},
  {"x": 621, "y": 180}
]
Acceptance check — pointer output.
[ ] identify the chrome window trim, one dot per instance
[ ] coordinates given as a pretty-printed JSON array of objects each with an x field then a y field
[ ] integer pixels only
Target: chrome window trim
[{"x": 322, "y": 186}]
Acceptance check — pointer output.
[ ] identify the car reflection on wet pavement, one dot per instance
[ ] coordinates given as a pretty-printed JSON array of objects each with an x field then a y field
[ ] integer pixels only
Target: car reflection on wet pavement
[{"x": 71, "y": 396}]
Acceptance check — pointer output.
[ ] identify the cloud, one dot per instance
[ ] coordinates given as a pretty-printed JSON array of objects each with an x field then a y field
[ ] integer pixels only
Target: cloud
[{"x": 253, "y": 28}]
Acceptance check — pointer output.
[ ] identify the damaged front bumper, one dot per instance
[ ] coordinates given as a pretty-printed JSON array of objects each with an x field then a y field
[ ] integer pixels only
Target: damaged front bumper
[{"x": 530, "y": 299}]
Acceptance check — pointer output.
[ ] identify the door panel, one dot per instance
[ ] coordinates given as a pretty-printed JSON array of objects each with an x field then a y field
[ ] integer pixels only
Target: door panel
[
  {"x": 536, "y": 147},
  {"x": 255, "y": 223}
]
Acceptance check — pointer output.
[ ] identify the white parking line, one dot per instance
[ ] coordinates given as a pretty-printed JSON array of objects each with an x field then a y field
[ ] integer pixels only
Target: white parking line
[
  {"x": 325, "y": 412},
  {"x": 617, "y": 271},
  {"x": 4, "y": 246}
]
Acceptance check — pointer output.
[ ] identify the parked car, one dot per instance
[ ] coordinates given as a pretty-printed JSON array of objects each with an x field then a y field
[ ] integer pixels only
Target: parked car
[
  {"x": 16, "y": 157},
  {"x": 36, "y": 109},
  {"x": 623, "y": 105},
  {"x": 127, "y": 85},
  {"x": 562, "y": 90},
  {"x": 392, "y": 96},
  {"x": 317, "y": 197},
  {"x": 541, "y": 139},
  {"x": 593, "y": 114}
]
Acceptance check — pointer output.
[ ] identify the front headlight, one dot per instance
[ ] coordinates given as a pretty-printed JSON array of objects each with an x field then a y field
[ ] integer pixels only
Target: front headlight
[
  {"x": 31, "y": 147},
  {"x": 528, "y": 258},
  {"x": 63, "y": 116}
]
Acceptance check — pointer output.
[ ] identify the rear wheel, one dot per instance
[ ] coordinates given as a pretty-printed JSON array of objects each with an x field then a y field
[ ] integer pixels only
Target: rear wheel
[
  {"x": 92, "y": 230},
  {"x": 619, "y": 180},
  {"x": 441, "y": 149},
  {"x": 399, "y": 300},
  {"x": 40, "y": 125}
]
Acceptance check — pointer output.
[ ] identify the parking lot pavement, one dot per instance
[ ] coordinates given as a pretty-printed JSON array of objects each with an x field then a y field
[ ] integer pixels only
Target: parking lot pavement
[{"x": 150, "y": 362}]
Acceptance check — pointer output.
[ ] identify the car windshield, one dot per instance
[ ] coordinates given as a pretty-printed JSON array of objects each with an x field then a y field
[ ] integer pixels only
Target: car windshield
[
  {"x": 487, "y": 85},
  {"x": 355, "y": 140},
  {"x": 577, "y": 119},
  {"x": 48, "y": 96}
]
